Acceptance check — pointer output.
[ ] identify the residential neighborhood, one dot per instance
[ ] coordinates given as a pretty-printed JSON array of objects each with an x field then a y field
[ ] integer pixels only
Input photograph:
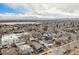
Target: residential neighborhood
[{"x": 40, "y": 38}]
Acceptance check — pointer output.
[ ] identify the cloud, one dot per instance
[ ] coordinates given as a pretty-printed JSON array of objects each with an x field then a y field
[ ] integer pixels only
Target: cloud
[
  {"x": 43, "y": 10},
  {"x": 9, "y": 12}
]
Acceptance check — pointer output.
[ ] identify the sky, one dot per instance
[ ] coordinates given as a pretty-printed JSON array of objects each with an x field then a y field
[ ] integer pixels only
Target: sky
[
  {"x": 6, "y": 9},
  {"x": 40, "y": 9}
]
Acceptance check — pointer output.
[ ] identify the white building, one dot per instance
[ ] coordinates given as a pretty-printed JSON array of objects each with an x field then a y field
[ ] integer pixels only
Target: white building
[{"x": 8, "y": 39}]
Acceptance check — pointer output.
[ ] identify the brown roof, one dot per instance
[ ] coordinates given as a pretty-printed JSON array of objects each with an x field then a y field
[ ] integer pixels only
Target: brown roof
[{"x": 9, "y": 51}]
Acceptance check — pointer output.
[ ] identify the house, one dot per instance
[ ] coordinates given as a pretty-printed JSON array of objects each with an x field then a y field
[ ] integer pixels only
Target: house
[
  {"x": 9, "y": 39},
  {"x": 37, "y": 46},
  {"x": 25, "y": 49},
  {"x": 9, "y": 51}
]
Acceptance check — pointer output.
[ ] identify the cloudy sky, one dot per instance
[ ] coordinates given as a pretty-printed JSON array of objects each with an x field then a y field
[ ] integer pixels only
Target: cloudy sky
[{"x": 40, "y": 10}]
